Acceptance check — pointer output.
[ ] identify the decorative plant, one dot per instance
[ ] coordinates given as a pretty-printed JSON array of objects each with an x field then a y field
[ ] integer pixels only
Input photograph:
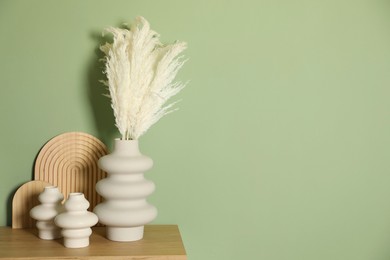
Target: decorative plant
[{"x": 140, "y": 74}]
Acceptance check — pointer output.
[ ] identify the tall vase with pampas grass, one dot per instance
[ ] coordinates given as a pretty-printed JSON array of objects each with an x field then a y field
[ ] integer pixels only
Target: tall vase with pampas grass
[{"x": 140, "y": 74}]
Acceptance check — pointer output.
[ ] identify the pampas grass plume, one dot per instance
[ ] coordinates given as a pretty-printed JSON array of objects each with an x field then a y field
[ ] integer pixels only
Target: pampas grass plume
[{"x": 140, "y": 74}]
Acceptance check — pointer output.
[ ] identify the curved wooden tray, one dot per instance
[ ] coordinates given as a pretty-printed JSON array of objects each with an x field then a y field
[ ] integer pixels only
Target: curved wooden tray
[{"x": 69, "y": 161}]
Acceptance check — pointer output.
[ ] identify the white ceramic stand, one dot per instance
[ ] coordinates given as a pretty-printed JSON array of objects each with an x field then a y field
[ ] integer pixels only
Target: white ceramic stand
[
  {"x": 76, "y": 222},
  {"x": 125, "y": 210},
  {"x": 45, "y": 213}
]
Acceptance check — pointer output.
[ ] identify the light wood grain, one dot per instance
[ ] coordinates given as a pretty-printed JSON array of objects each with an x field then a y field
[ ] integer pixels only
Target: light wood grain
[
  {"x": 160, "y": 242},
  {"x": 25, "y": 198},
  {"x": 69, "y": 161}
]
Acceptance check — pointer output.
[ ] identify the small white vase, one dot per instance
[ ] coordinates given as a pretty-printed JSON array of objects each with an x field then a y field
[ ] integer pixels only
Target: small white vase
[
  {"x": 76, "y": 222},
  {"x": 45, "y": 213},
  {"x": 125, "y": 210}
]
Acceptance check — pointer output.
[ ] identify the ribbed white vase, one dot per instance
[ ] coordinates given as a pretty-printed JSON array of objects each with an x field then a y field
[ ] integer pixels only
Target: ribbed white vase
[
  {"x": 125, "y": 210},
  {"x": 45, "y": 213},
  {"x": 76, "y": 222}
]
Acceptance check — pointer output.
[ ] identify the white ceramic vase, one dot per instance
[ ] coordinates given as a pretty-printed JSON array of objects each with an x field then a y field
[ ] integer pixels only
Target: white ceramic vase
[
  {"x": 45, "y": 213},
  {"x": 125, "y": 210},
  {"x": 76, "y": 222}
]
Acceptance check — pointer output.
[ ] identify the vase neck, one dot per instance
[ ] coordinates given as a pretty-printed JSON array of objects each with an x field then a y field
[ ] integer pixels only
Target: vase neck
[{"x": 126, "y": 147}]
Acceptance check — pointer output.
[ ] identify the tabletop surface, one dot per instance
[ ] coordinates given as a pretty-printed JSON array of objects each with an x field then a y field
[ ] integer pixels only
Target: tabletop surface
[{"x": 160, "y": 242}]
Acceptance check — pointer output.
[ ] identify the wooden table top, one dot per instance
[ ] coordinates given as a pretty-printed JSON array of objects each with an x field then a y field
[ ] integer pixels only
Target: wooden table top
[{"x": 160, "y": 242}]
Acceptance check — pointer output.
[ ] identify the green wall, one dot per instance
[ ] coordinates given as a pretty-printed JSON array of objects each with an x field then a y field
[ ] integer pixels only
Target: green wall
[{"x": 281, "y": 147}]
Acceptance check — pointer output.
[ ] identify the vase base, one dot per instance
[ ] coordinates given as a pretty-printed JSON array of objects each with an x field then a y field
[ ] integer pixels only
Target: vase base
[
  {"x": 76, "y": 242},
  {"x": 125, "y": 234},
  {"x": 49, "y": 234}
]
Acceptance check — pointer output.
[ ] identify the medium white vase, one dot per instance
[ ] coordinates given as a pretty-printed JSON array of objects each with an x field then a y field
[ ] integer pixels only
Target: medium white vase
[
  {"x": 45, "y": 213},
  {"x": 76, "y": 222},
  {"x": 125, "y": 210}
]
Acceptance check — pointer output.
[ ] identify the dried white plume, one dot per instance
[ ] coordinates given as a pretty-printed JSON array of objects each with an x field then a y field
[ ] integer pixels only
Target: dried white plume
[{"x": 140, "y": 71}]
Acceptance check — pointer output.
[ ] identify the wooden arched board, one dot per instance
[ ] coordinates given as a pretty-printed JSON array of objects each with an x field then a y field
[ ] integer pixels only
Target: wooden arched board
[
  {"x": 25, "y": 198},
  {"x": 69, "y": 161}
]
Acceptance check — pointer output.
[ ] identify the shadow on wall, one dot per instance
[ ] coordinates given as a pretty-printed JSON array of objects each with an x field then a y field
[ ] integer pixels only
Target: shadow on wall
[
  {"x": 9, "y": 205},
  {"x": 100, "y": 104}
]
